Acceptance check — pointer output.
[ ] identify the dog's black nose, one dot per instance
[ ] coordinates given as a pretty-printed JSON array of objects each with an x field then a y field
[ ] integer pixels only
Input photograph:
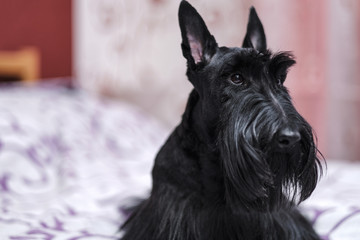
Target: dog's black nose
[{"x": 287, "y": 138}]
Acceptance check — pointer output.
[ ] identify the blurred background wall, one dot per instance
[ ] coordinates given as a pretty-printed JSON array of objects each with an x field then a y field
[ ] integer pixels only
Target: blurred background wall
[
  {"x": 45, "y": 26},
  {"x": 131, "y": 50}
]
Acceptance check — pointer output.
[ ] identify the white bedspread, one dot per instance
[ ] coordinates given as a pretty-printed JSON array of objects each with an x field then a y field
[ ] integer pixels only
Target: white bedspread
[{"x": 69, "y": 161}]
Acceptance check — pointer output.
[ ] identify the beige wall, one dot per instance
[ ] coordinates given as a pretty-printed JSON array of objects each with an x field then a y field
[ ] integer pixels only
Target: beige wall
[{"x": 131, "y": 50}]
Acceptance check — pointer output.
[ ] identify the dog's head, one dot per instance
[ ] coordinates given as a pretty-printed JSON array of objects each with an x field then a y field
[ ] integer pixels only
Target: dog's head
[{"x": 267, "y": 149}]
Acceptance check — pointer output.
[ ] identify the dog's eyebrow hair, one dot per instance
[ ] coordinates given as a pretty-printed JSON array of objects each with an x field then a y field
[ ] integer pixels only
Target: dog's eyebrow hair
[
  {"x": 230, "y": 64},
  {"x": 282, "y": 59},
  {"x": 228, "y": 67}
]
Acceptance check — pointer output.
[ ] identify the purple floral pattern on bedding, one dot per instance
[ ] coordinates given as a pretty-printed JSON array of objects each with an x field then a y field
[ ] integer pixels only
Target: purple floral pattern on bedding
[
  {"x": 69, "y": 161},
  {"x": 334, "y": 207}
]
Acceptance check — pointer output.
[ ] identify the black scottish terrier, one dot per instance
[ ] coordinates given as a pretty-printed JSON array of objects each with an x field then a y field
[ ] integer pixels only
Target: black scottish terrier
[{"x": 242, "y": 158}]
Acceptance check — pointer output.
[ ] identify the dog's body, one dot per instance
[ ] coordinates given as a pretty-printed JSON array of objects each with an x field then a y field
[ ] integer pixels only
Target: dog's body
[{"x": 242, "y": 157}]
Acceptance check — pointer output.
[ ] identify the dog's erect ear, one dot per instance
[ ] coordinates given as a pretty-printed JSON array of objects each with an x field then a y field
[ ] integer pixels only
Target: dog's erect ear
[
  {"x": 255, "y": 35},
  {"x": 198, "y": 45}
]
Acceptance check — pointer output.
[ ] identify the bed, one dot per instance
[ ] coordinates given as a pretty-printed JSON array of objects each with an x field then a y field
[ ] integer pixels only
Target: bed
[{"x": 70, "y": 163}]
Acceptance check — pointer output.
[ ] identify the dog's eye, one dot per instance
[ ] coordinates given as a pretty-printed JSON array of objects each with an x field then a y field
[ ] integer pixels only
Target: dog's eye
[{"x": 237, "y": 79}]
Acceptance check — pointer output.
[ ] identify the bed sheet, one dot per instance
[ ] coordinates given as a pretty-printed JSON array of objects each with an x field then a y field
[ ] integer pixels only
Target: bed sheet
[
  {"x": 68, "y": 161},
  {"x": 71, "y": 162}
]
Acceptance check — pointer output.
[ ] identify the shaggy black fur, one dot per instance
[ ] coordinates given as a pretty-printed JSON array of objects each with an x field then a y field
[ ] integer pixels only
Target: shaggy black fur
[{"x": 242, "y": 158}]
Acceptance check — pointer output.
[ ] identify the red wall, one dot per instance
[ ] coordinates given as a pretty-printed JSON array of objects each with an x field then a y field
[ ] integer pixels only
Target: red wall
[{"x": 45, "y": 24}]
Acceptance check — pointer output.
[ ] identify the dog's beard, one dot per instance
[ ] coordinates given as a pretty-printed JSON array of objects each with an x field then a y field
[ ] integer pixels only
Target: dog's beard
[{"x": 256, "y": 175}]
